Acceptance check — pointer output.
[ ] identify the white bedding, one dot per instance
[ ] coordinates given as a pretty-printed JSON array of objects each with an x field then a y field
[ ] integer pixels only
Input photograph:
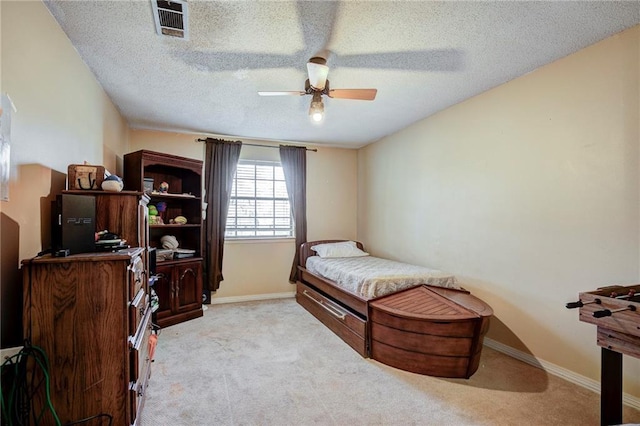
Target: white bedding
[{"x": 371, "y": 277}]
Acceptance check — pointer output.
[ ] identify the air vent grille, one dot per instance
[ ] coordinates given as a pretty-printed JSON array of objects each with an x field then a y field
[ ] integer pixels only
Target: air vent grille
[{"x": 171, "y": 18}]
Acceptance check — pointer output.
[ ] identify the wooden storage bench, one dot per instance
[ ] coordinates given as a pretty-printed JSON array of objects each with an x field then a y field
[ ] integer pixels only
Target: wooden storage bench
[{"x": 429, "y": 330}]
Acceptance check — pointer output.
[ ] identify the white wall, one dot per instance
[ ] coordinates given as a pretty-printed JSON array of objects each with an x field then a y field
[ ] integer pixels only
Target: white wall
[
  {"x": 529, "y": 192},
  {"x": 261, "y": 267}
]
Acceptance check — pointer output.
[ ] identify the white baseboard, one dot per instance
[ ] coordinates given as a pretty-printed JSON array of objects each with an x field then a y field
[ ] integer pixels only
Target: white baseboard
[
  {"x": 251, "y": 298},
  {"x": 561, "y": 372}
]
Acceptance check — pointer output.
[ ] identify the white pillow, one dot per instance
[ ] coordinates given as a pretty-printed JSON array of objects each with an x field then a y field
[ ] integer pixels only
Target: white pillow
[{"x": 342, "y": 249}]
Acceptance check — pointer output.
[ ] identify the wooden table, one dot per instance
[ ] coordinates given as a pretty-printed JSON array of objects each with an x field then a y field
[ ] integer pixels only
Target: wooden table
[{"x": 615, "y": 310}]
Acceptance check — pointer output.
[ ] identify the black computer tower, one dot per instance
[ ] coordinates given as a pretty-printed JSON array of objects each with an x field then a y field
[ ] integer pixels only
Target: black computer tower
[{"x": 73, "y": 224}]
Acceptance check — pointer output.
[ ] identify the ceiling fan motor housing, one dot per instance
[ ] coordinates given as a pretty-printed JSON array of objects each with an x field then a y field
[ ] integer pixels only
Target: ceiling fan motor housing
[
  {"x": 310, "y": 90},
  {"x": 318, "y": 60}
]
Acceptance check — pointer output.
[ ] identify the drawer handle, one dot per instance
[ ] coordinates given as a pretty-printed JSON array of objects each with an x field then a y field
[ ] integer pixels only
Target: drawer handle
[
  {"x": 333, "y": 311},
  {"x": 136, "y": 341},
  {"x": 138, "y": 299},
  {"x": 136, "y": 266}
]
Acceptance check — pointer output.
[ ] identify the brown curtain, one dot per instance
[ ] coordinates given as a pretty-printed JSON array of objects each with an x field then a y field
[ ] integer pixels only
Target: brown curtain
[
  {"x": 221, "y": 161},
  {"x": 294, "y": 165}
]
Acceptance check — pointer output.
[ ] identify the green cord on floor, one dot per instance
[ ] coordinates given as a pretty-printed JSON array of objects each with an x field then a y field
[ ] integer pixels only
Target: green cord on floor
[{"x": 16, "y": 409}]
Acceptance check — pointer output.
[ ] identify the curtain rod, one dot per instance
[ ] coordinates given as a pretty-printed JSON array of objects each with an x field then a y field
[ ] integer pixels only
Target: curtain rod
[{"x": 264, "y": 146}]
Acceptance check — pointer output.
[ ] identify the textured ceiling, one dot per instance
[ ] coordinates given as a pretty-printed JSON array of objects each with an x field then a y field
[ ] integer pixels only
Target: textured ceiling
[{"x": 421, "y": 56}]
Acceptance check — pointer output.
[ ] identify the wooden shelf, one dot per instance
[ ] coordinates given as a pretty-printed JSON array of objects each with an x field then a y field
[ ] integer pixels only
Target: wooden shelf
[
  {"x": 99, "y": 192},
  {"x": 174, "y": 225},
  {"x": 169, "y": 195},
  {"x": 181, "y": 260}
]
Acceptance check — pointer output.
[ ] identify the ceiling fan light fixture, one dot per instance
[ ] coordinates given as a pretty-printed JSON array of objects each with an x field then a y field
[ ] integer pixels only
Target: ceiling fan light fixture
[
  {"x": 316, "y": 110},
  {"x": 317, "y": 85}
]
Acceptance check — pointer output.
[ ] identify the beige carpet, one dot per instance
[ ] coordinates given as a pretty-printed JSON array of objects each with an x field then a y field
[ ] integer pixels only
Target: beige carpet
[{"x": 272, "y": 363}]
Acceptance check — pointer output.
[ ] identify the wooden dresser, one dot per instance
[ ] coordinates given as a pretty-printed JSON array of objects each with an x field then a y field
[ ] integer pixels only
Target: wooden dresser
[{"x": 90, "y": 314}]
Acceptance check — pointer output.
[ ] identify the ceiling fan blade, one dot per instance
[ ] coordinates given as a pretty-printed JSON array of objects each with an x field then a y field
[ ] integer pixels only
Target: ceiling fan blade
[
  {"x": 421, "y": 60},
  {"x": 282, "y": 93},
  {"x": 205, "y": 60},
  {"x": 359, "y": 94},
  {"x": 317, "y": 74},
  {"x": 317, "y": 19}
]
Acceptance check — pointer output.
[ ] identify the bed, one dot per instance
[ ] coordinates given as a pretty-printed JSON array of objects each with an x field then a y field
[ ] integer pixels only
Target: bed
[{"x": 406, "y": 316}]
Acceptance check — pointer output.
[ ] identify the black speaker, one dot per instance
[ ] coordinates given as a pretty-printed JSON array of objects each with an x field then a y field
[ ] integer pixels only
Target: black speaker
[
  {"x": 73, "y": 224},
  {"x": 152, "y": 260}
]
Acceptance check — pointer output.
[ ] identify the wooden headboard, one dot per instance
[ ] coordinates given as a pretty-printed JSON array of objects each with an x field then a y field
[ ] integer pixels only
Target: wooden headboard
[{"x": 306, "y": 252}]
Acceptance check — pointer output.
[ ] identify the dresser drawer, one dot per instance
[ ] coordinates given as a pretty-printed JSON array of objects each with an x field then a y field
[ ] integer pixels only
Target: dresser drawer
[
  {"x": 139, "y": 363},
  {"x": 136, "y": 276},
  {"x": 137, "y": 308},
  {"x": 137, "y": 341},
  {"x": 348, "y": 326},
  {"x": 137, "y": 395}
]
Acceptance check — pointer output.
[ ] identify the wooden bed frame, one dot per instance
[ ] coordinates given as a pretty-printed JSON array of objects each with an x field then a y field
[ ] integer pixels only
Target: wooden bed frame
[{"x": 427, "y": 330}]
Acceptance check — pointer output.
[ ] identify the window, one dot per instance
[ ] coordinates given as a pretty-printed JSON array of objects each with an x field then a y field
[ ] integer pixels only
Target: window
[{"x": 259, "y": 204}]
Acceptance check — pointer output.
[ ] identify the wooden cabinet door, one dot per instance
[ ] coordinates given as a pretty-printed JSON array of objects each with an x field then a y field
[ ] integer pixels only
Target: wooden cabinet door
[
  {"x": 165, "y": 291},
  {"x": 188, "y": 286}
]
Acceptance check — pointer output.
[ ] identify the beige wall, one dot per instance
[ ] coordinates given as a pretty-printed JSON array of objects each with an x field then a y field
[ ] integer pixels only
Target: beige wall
[
  {"x": 253, "y": 268},
  {"x": 63, "y": 117},
  {"x": 529, "y": 192}
]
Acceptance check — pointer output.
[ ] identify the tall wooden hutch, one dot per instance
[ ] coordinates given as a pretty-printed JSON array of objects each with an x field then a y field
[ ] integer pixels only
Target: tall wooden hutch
[{"x": 179, "y": 283}]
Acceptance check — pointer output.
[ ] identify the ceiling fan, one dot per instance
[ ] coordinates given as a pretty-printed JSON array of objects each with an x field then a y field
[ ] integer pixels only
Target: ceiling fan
[{"x": 318, "y": 85}]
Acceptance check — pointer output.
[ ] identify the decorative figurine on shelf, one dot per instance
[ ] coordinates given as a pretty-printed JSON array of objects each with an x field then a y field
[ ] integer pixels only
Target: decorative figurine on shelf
[
  {"x": 154, "y": 216},
  {"x": 164, "y": 187},
  {"x": 162, "y": 207},
  {"x": 169, "y": 242},
  {"x": 179, "y": 220},
  {"x": 112, "y": 183}
]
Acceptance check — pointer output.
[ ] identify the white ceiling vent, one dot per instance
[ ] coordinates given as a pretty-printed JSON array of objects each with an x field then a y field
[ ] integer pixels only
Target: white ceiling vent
[{"x": 172, "y": 18}]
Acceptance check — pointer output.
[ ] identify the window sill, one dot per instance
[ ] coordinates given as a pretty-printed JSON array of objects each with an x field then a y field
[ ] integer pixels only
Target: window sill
[{"x": 260, "y": 240}]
